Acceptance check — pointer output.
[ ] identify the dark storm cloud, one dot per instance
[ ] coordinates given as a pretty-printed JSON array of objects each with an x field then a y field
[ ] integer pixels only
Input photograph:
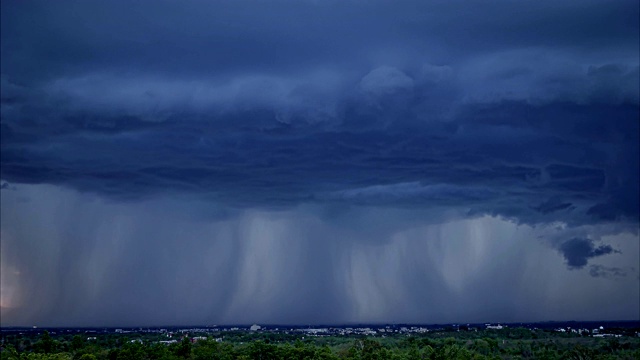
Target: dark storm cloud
[
  {"x": 282, "y": 103},
  {"x": 552, "y": 205},
  {"x": 577, "y": 251},
  {"x": 216, "y": 99}
]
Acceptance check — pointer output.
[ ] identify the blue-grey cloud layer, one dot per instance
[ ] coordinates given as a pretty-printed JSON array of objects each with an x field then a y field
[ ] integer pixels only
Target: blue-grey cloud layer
[
  {"x": 370, "y": 103},
  {"x": 523, "y": 110}
]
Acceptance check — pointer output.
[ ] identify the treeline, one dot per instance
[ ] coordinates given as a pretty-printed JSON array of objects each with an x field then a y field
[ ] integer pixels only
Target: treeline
[{"x": 405, "y": 348}]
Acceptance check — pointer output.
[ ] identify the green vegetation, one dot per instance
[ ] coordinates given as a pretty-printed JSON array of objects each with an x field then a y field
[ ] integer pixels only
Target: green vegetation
[{"x": 502, "y": 344}]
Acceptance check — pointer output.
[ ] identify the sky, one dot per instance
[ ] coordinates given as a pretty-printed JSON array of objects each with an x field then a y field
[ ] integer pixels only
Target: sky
[{"x": 319, "y": 162}]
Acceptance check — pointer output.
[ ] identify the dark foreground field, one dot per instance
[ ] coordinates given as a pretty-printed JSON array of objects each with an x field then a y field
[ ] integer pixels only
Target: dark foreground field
[{"x": 507, "y": 343}]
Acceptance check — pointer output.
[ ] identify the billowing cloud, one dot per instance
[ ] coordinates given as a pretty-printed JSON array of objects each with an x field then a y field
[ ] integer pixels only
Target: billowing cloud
[
  {"x": 386, "y": 81},
  {"x": 362, "y": 122},
  {"x": 543, "y": 76},
  {"x": 578, "y": 251}
]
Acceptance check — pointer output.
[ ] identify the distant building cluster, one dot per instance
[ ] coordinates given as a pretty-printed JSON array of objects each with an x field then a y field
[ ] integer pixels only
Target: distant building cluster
[{"x": 217, "y": 333}]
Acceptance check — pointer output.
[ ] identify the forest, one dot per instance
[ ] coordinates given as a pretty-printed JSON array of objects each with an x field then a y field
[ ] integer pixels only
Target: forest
[{"x": 509, "y": 343}]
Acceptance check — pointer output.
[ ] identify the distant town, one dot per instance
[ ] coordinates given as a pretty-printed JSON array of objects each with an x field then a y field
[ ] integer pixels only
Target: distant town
[{"x": 173, "y": 334}]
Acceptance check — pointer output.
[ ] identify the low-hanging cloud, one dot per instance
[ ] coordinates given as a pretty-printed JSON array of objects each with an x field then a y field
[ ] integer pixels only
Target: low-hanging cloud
[{"x": 578, "y": 251}]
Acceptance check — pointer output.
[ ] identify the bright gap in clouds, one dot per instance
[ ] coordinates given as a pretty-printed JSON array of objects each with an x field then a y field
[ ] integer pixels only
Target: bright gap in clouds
[{"x": 82, "y": 260}]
